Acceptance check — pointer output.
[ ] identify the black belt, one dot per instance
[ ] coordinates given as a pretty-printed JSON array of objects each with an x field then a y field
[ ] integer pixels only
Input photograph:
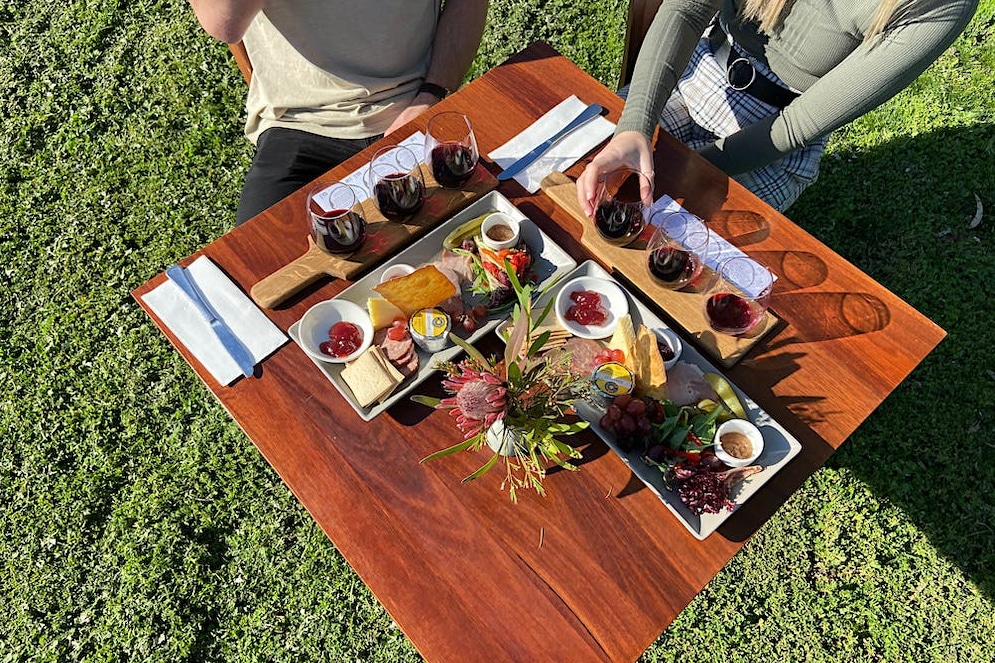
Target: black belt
[{"x": 744, "y": 77}]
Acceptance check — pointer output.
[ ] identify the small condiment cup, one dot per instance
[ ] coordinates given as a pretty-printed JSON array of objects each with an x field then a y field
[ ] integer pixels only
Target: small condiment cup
[
  {"x": 396, "y": 270},
  {"x": 500, "y": 231},
  {"x": 743, "y": 427},
  {"x": 673, "y": 341}
]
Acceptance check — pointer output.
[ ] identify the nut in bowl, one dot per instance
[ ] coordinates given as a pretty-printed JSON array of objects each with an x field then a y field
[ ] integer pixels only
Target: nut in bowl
[
  {"x": 738, "y": 443},
  {"x": 590, "y": 307},
  {"x": 336, "y": 331}
]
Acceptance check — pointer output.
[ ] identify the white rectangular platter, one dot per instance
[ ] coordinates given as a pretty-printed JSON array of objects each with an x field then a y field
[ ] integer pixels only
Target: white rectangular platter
[
  {"x": 779, "y": 445},
  {"x": 549, "y": 262}
]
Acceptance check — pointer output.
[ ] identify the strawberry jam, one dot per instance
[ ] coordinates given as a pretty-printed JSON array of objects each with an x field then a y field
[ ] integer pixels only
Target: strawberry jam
[
  {"x": 344, "y": 338},
  {"x": 586, "y": 309}
]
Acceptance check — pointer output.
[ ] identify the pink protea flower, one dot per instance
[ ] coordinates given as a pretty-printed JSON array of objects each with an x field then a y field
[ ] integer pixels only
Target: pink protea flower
[{"x": 479, "y": 399}]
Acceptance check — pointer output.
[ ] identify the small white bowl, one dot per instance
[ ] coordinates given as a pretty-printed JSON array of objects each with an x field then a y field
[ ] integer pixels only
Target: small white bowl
[
  {"x": 319, "y": 319},
  {"x": 396, "y": 270},
  {"x": 668, "y": 337},
  {"x": 746, "y": 428},
  {"x": 500, "y": 220},
  {"x": 612, "y": 298}
]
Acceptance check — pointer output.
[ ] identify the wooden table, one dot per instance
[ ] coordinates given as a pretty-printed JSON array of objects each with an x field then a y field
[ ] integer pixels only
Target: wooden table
[{"x": 597, "y": 569}]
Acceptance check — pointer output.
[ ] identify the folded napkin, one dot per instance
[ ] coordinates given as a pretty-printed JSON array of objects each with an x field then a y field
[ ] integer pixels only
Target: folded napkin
[
  {"x": 561, "y": 156},
  {"x": 719, "y": 249},
  {"x": 172, "y": 306}
]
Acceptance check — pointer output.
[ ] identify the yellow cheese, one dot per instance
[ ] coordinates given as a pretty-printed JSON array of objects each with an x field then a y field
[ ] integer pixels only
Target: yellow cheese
[
  {"x": 624, "y": 339},
  {"x": 382, "y": 312}
]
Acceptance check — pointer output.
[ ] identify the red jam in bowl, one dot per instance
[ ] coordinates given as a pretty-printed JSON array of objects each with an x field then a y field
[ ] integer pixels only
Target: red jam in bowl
[{"x": 344, "y": 338}]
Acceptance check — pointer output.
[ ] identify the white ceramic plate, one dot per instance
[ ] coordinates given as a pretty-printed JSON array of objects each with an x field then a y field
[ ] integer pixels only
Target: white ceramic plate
[
  {"x": 612, "y": 298},
  {"x": 550, "y": 262}
]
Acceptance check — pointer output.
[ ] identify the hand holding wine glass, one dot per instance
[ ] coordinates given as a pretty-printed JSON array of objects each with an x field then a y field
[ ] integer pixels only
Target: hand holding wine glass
[{"x": 619, "y": 207}]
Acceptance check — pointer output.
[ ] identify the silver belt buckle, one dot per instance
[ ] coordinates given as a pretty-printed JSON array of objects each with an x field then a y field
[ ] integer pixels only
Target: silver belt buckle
[{"x": 735, "y": 79}]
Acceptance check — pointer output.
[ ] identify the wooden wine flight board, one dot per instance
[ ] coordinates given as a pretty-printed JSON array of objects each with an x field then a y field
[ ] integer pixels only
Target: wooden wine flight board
[
  {"x": 683, "y": 306},
  {"x": 383, "y": 239}
]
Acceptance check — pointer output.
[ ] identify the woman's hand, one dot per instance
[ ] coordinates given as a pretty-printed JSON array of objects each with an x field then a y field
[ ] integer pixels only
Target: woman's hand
[{"x": 628, "y": 149}]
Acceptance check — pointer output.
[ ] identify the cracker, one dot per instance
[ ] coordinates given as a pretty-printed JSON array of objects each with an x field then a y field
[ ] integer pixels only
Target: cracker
[
  {"x": 651, "y": 375},
  {"x": 423, "y": 288},
  {"x": 369, "y": 378}
]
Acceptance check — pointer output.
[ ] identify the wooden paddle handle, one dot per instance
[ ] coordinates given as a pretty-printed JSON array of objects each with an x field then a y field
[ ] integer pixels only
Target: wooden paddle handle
[{"x": 292, "y": 278}]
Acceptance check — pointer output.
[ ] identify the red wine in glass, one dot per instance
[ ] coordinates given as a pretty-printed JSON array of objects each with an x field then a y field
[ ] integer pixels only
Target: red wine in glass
[
  {"x": 399, "y": 195},
  {"x": 452, "y": 164},
  {"x": 731, "y": 314},
  {"x": 619, "y": 222},
  {"x": 338, "y": 231},
  {"x": 673, "y": 266}
]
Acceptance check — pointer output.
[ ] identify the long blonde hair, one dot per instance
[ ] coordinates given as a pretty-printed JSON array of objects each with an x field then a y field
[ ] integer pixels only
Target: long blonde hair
[{"x": 770, "y": 12}]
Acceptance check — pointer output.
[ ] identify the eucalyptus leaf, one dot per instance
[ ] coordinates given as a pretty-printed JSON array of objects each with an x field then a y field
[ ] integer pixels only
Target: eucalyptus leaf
[
  {"x": 430, "y": 401},
  {"x": 456, "y": 448},
  {"x": 483, "y": 468}
]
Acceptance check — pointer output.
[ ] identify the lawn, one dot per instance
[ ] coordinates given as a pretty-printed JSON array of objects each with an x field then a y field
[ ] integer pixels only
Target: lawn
[{"x": 139, "y": 523}]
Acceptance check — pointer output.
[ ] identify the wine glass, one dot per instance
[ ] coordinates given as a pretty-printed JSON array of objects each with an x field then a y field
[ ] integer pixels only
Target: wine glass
[
  {"x": 337, "y": 222},
  {"x": 451, "y": 148},
  {"x": 676, "y": 252},
  {"x": 397, "y": 182},
  {"x": 618, "y": 213},
  {"x": 737, "y": 295}
]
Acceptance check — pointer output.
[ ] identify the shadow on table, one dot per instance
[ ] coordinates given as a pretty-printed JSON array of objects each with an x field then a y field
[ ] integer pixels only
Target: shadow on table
[{"x": 903, "y": 218}]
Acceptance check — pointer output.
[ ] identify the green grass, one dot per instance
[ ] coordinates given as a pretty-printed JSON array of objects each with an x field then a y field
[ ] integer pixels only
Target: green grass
[{"x": 138, "y": 522}]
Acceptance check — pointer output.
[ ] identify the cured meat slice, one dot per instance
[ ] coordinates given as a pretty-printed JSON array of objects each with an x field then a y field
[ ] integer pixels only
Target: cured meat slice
[
  {"x": 583, "y": 355},
  {"x": 400, "y": 353},
  {"x": 686, "y": 384},
  {"x": 459, "y": 264}
]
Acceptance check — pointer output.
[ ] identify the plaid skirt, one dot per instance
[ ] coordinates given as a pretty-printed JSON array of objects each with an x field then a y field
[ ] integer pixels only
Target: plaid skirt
[{"x": 703, "y": 107}]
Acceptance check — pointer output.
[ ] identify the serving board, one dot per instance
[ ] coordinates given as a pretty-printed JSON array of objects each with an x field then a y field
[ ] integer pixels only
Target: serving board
[
  {"x": 550, "y": 263},
  {"x": 383, "y": 238},
  {"x": 683, "y": 306}
]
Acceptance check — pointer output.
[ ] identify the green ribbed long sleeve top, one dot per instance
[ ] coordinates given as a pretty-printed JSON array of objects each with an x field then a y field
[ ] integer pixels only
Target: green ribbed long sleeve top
[{"x": 818, "y": 50}]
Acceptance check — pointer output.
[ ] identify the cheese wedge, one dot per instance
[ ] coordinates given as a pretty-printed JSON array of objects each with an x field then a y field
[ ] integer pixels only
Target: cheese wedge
[
  {"x": 382, "y": 312},
  {"x": 624, "y": 339}
]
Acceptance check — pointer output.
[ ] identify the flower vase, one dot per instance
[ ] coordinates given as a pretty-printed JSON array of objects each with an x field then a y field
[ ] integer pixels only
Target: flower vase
[{"x": 503, "y": 439}]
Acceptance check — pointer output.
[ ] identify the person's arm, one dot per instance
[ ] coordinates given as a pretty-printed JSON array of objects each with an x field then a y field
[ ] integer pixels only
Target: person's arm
[
  {"x": 457, "y": 37},
  {"x": 663, "y": 56},
  {"x": 226, "y": 20},
  {"x": 864, "y": 80}
]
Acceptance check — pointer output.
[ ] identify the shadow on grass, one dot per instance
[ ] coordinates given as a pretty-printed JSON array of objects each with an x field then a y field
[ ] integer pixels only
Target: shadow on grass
[{"x": 901, "y": 212}]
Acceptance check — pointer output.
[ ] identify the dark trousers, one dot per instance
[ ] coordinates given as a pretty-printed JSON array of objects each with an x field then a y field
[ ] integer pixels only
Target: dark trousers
[{"x": 286, "y": 160}]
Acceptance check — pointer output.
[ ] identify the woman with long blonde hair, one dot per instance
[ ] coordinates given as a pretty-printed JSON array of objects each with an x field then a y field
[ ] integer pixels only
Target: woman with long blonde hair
[{"x": 757, "y": 86}]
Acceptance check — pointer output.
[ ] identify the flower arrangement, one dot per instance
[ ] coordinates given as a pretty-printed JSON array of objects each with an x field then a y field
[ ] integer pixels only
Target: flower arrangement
[{"x": 525, "y": 393}]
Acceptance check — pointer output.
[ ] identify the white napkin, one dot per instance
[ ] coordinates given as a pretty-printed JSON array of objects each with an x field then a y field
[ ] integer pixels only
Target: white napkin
[
  {"x": 719, "y": 249},
  {"x": 562, "y": 155},
  {"x": 172, "y": 306}
]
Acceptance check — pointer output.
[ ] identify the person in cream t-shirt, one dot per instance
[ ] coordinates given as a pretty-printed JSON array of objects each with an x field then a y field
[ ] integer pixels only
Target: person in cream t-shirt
[{"x": 332, "y": 76}]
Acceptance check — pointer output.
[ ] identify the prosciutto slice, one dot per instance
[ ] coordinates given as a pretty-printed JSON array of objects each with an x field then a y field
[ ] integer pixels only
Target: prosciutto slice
[{"x": 686, "y": 384}]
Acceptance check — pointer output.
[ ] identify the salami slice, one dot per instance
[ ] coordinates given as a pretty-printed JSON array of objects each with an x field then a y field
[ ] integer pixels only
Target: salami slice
[{"x": 583, "y": 355}]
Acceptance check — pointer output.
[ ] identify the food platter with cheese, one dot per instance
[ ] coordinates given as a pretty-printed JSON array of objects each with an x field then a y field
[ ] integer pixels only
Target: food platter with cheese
[
  {"x": 549, "y": 263},
  {"x": 642, "y": 337}
]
